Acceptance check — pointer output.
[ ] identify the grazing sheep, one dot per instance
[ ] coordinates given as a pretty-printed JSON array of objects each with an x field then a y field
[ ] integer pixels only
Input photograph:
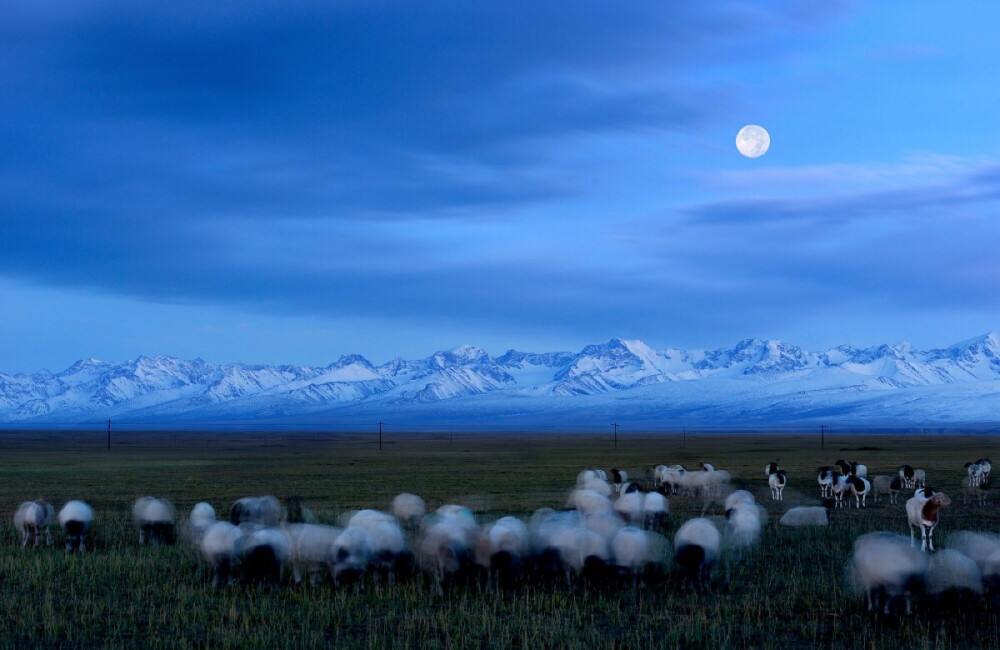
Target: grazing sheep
[
  {"x": 202, "y": 516},
  {"x": 777, "y": 481},
  {"x": 311, "y": 549},
  {"x": 32, "y": 519},
  {"x": 218, "y": 549},
  {"x": 736, "y": 496},
  {"x": 75, "y": 519},
  {"x": 890, "y": 486},
  {"x": 984, "y": 549},
  {"x": 922, "y": 512},
  {"x": 673, "y": 478},
  {"x": 696, "y": 549},
  {"x": 502, "y": 549},
  {"x": 919, "y": 477},
  {"x": 655, "y": 510},
  {"x": 155, "y": 519},
  {"x": 409, "y": 509},
  {"x": 953, "y": 578},
  {"x": 632, "y": 549},
  {"x": 885, "y": 568},
  {"x": 971, "y": 491},
  {"x": 445, "y": 549},
  {"x": 262, "y": 554},
  {"x": 825, "y": 476},
  {"x": 351, "y": 555},
  {"x": 265, "y": 510},
  {"x": 743, "y": 523},
  {"x": 589, "y": 501},
  {"x": 389, "y": 546},
  {"x": 629, "y": 506},
  {"x": 860, "y": 487},
  {"x": 807, "y": 515}
]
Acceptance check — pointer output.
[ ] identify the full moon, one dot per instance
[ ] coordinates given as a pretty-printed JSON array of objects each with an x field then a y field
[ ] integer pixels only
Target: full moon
[{"x": 753, "y": 141}]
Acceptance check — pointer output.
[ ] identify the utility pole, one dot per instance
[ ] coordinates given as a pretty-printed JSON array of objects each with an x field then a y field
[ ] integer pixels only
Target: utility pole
[
  {"x": 109, "y": 434},
  {"x": 822, "y": 437},
  {"x": 380, "y": 435},
  {"x": 684, "y": 438},
  {"x": 615, "y": 425}
]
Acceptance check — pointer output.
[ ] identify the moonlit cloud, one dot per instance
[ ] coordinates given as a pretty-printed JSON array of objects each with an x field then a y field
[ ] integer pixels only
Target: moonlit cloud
[{"x": 395, "y": 177}]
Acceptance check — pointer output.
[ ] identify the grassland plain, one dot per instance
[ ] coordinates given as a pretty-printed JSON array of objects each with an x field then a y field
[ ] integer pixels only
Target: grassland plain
[{"x": 788, "y": 592}]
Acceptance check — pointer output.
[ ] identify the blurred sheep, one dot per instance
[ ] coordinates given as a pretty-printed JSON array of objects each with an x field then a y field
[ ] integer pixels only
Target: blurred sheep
[
  {"x": 807, "y": 515},
  {"x": 33, "y": 520},
  {"x": 155, "y": 519},
  {"x": 697, "y": 545},
  {"x": 885, "y": 568},
  {"x": 75, "y": 519},
  {"x": 265, "y": 511},
  {"x": 263, "y": 553},
  {"x": 311, "y": 549},
  {"x": 202, "y": 516},
  {"x": 218, "y": 548}
]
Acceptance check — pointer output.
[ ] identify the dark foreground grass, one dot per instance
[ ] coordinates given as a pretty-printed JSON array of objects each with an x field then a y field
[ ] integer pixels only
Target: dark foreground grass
[{"x": 786, "y": 593}]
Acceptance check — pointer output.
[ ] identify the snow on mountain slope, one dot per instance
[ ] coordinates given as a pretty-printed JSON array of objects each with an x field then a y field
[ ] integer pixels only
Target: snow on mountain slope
[{"x": 755, "y": 380}]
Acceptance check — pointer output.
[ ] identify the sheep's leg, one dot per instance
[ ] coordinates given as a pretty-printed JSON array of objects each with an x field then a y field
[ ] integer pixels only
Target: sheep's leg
[
  {"x": 912, "y": 540},
  {"x": 930, "y": 538}
]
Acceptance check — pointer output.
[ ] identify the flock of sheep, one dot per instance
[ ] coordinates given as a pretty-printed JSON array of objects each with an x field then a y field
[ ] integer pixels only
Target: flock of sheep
[{"x": 610, "y": 529}]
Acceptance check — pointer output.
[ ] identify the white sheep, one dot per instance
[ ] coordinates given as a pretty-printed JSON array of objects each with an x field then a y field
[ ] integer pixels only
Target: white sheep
[
  {"x": 883, "y": 485},
  {"x": 389, "y": 546},
  {"x": 776, "y": 482},
  {"x": 972, "y": 492},
  {"x": 218, "y": 548},
  {"x": 697, "y": 544},
  {"x": 953, "y": 576},
  {"x": 984, "y": 549},
  {"x": 633, "y": 549},
  {"x": 502, "y": 549},
  {"x": 736, "y": 496},
  {"x": 825, "y": 478},
  {"x": 629, "y": 506},
  {"x": 839, "y": 488},
  {"x": 33, "y": 520},
  {"x": 619, "y": 477},
  {"x": 409, "y": 509},
  {"x": 743, "y": 524},
  {"x": 922, "y": 511},
  {"x": 588, "y": 501},
  {"x": 263, "y": 553},
  {"x": 202, "y": 516},
  {"x": 75, "y": 519},
  {"x": 445, "y": 549},
  {"x": 852, "y": 468},
  {"x": 606, "y": 524},
  {"x": 155, "y": 519},
  {"x": 884, "y": 568},
  {"x": 919, "y": 477},
  {"x": 807, "y": 515},
  {"x": 986, "y": 465},
  {"x": 265, "y": 510},
  {"x": 351, "y": 554},
  {"x": 673, "y": 478},
  {"x": 311, "y": 549},
  {"x": 655, "y": 510}
]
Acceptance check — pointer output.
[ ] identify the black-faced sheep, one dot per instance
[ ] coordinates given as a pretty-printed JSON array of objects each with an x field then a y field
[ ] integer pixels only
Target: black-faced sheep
[
  {"x": 771, "y": 468},
  {"x": 860, "y": 487},
  {"x": 75, "y": 519},
  {"x": 975, "y": 471},
  {"x": 743, "y": 524},
  {"x": 33, "y": 519},
  {"x": 922, "y": 511},
  {"x": 697, "y": 545},
  {"x": 824, "y": 476},
  {"x": 502, "y": 550},
  {"x": 619, "y": 477},
  {"x": 885, "y": 569},
  {"x": 776, "y": 482},
  {"x": 155, "y": 519},
  {"x": 852, "y": 468},
  {"x": 634, "y": 550},
  {"x": 351, "y": 555}
]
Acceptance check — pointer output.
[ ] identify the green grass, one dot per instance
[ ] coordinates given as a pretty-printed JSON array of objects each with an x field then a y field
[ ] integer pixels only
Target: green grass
[{"x": 788, "y": 592}]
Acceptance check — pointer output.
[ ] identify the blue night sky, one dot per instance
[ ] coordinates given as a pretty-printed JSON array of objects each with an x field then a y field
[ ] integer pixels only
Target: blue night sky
[{"x": 274, "y": 182}]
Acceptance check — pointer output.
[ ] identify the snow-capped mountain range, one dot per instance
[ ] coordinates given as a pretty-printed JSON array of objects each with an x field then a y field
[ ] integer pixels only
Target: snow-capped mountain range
[{"x": 754, "y": 383}]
